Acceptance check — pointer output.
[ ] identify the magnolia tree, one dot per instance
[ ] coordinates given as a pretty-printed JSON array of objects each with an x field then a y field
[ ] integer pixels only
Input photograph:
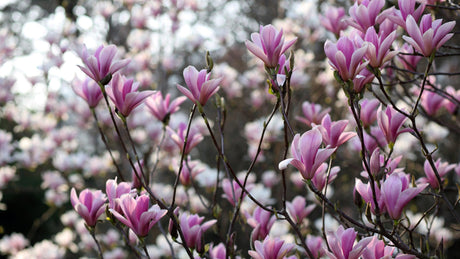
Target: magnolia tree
[{"x": 330, "y": 135}]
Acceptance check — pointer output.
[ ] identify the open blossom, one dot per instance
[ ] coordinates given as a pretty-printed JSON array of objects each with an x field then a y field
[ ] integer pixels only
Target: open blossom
[
  {"x": 429, "y": 36},
  {"x": 431, "y": 101},
  {"x": 298, "y": 209},
  {"x": 378, "y": 46},
  {"x": 137, "y": 215},
  {"x": 334, "y": 19},
  {"x": 101, "y": 64},
  {"x": 320, "y": 178},
  {"x": 307, "y": 156},
  {"x": 390, "y": 123},
  {"x": 365, "y": 190},
  {"x": 268, "y": 45},
  {"x": 193, "y": 228},
  {"x": 451, "y": 105},
  {"x": 346, "y": 57},
  {"x": 368, "y": 112},
  {"x": 362, "y": 79},
  {"x": 261, "y": 221},
  {"x": 442, "y": 167},
  {"x": 366, "y": 13},
  {"x": 200, "y": 87},
  {"x": 123, "y": 92},
  {"x": 316, "y": 246},
  {"x": 342, "y": 244},
  {"x": 231, "y": 187},
  {"x": 376, "y": 249},
  {"x": 161, "y": 107},
  {"x": 406, "y": 8},
  {"x": 396, "y": 193},
  {"x": 89, "y": 91},
  {"x": 194, "y": 137},
  {"x": 89, "y": 204},
  {"x": 270, "y": 248},
  {"x": 312, "y": 113},
  {"x": 114, "y": 192},
  {"x": 333, "y": 132}
]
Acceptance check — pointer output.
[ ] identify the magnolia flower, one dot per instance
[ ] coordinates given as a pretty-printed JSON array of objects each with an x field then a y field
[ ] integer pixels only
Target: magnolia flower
[
  {"x": 89, "y": 91},
  {"x": 137, "y": 215},
  {"x": 270, "y": 249},
  {"x": 334, "y": 19},
  {"x": 430, "y": 36},
  {"x": 194, "y": 137},
  {"x": 376, "y": 249},
  {"x": 261, "y": 221},
  {"x": 362, "y": 79},
  {"x": 390, "y": 123},
  {"x": 312, "y": 113},
  {"x": 200, "y": 87},
  {"x": 298, "y": 210},
  {"x": 89, "y": 204},
  {"x": 193, "y": 230},
  {"x": 100, "y": 66},
  {"x": 307, "y": 156},
  {"x": 345, "y": 57},
  {"x": 161, "y": 107},
  {"x": 406, "y": 8},
  {"x": 442, "y": 167},
  {"x": 396, "y": 193},
  {"x": 342, "y": 244},
  {"x": 268, "y": 45},
  {"x": 123, "y": 93},
  {"x": 333, "y": 132},
  {"x": 378, "y": 47},
  {"x": 368, "y": 112},
  {"x": 365, "y": 14},
  {"x": 114, "y": 192},
  {"x": 316, "y": 246}
]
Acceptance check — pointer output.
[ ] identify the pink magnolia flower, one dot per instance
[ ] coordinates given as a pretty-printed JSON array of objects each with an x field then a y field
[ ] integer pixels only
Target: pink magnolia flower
[
  {"x": 342, "y": 244},
  {"x": 365, "y": 14},
  {"x": 137, "y": 215},
  {"x": 333, "y": 132},
  {"x": 200, "y": 87},
  {"x": 228, "y": 185},
  {"x": 320, "y": 178},
  {"x": 89, "y": 204},
  {"x": 365, "y": 190},
  {"x": 406, "y": 8},
  {"x": 377, "y": 161},
  {"x": 362, "y": 79},
  {"x": 450, "y": 105},
  {"x": 431, "y": 101},
  {"x": 313, "y": 113},
  {"x": 193, "y": 229},
  {"x": 396, "y": 193},
  {"x": 114, "y": 192},
  {"x": 333, "y": 19},
  {"x": 161, "y": 107},
  {"x": 261, "y": 221},
  {"x": 298, "y": 209},
  {"x": 101, "y": 66},
  {"x": 316, "y": 246},
  {"x": 345, "y": 57},
  {"x": 307, "y": 156},
  {"x": 430, "y": 36},
  {"x": 390, "y": 123},
  {"x": 190, "y": 170},
  {"x": 194, "y": 137},
  {"x": 378, "y": 46},
  {"x": 123, "y": 93},
  {"x": 89, "y": 91},
  {"x": 270, "y": 249},
  {"x": 442, "y": 167},
  {"x": 409, "y": 60},
  {"x": 368, "y": 113},
  {"x": 268, "y": 45},
  {"x": 376, "y": 249}
]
